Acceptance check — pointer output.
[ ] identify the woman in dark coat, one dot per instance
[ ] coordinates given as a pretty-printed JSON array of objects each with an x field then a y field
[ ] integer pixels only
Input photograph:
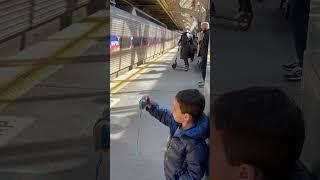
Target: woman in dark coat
[{"x": 185, "y": 43}]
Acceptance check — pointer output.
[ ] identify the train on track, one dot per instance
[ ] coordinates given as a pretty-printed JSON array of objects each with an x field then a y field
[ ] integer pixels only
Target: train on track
[{"x": 135, "y": 40}]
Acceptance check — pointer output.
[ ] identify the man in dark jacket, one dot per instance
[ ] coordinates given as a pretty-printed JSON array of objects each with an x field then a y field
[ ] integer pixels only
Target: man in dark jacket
[
  {"x": 258, "y": 134},
  {"x": 185, "y": 43},
  {"x": 194, "y": 47},
  {"x": 186, "y": 156},
  {"x": 203, "y": 51}
]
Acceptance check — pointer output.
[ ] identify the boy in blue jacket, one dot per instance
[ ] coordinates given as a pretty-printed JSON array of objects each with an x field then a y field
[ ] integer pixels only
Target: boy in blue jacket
[{"x": 186, "y": 156}]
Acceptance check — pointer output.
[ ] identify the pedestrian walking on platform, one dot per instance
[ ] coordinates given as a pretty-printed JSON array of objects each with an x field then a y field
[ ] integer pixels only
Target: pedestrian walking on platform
[
  {"x": 203, "y": 51},
  {"x": 185, "y": 43}
]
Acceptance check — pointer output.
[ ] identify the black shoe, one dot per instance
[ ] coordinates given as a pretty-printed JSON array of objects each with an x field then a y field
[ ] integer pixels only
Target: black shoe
[
  {"x": 295, "y": 74},
  {"x": 244, "y": 20},
  {"x": 186, "y": 68},
  {"x": 201, "y": 84},
  {"x": 290, "y": 66}
]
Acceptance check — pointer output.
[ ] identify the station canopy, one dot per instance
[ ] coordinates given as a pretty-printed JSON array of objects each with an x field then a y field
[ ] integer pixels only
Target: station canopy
[{"x": 176, "y": 14}]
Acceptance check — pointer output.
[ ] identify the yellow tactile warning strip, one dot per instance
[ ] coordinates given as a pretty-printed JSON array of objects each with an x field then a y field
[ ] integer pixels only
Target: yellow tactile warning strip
[{"x": 28, "y": 79}]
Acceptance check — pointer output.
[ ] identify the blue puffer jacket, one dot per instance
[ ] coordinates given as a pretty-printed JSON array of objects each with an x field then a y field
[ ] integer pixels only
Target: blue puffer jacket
[
  {"x": 301, "y": 172},
  {"x": 187, "y": 154}
]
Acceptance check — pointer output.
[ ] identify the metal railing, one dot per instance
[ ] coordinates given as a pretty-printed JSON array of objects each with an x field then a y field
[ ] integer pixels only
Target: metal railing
[{"x": 19, "y": 16}]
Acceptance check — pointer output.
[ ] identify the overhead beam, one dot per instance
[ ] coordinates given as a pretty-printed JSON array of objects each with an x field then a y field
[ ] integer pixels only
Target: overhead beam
[
  {"x": 153, "y": 8},
  {"x": 164, "y": 6}
]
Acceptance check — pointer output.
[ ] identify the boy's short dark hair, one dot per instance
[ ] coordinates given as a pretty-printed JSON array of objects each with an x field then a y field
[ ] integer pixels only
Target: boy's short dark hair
[
  {"x": 191, "y": 101},
  {"x": 262, "y": 127}
]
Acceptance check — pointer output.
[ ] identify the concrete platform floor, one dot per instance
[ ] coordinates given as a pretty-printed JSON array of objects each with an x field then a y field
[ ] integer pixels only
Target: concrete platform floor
[
  {"x": 138, "y": 143},
  {"x": 51, "y": 135}
]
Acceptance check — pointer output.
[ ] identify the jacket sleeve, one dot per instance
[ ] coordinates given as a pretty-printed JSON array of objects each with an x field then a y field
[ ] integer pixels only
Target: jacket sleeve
[
  {"x": 206, "y": 39},
  {"x": 163, "y": 115},
  {"x": 197, "y": 162},
  {"x": 179, "y": 42}
]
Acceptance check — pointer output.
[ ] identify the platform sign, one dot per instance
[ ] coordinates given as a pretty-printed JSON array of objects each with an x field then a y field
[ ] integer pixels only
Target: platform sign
[{"x": 114, "y": 43}]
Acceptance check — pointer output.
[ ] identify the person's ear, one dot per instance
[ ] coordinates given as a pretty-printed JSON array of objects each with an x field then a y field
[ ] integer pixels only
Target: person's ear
[
  {"x": 187, "y": 116},
  {"x": 248, "y": 172}
]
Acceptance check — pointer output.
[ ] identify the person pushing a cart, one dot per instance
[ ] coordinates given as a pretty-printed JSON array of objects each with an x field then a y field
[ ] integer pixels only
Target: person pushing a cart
[{"x": 185, "y": 44}]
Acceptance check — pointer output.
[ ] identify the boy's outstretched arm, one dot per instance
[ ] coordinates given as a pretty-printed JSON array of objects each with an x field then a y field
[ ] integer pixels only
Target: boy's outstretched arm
[
  {"x": 197, "y": 162},
  {"x": 163, "y": 115}
]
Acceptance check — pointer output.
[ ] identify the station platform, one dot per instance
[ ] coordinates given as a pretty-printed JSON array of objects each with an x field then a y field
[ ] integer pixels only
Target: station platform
[
  {"x": 137, "y": 139},
  {"x": 253, "y": 57},
  {"x": 51, "y": 95}
]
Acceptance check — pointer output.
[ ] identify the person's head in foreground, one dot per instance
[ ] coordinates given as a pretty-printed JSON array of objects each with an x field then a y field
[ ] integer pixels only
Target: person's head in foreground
[
  {"x": 185, "y": 29},
  {"x": 205, "y": 26},
  {"x": 258, "y": 134},
  {"x": 188, "y": 106}
]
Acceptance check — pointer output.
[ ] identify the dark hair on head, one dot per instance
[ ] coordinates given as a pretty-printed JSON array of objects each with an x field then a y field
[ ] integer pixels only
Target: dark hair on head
[
  {"x": 260, "y": 126},
  {"x": 191, "y": 101}
]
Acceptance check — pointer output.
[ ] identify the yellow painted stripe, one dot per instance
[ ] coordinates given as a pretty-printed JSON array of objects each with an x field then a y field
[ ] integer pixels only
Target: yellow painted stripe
[
  {"x": 122, "y": 83},
  {"x": 10, "y": 91},
  {"x": 125, "y": 82}
]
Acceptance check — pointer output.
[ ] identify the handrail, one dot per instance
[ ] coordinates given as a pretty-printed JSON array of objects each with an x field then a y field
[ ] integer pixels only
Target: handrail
[{"x": 38, "y": 14}]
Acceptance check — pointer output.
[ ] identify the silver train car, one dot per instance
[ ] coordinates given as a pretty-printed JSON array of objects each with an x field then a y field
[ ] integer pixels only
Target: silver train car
[{"x": 135, "y": 40}]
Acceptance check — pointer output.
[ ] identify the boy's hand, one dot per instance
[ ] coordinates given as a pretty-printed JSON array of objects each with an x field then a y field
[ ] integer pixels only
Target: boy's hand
[
  {"x": 148, "y": 106},
  {"x": 147, "y": 101}
]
